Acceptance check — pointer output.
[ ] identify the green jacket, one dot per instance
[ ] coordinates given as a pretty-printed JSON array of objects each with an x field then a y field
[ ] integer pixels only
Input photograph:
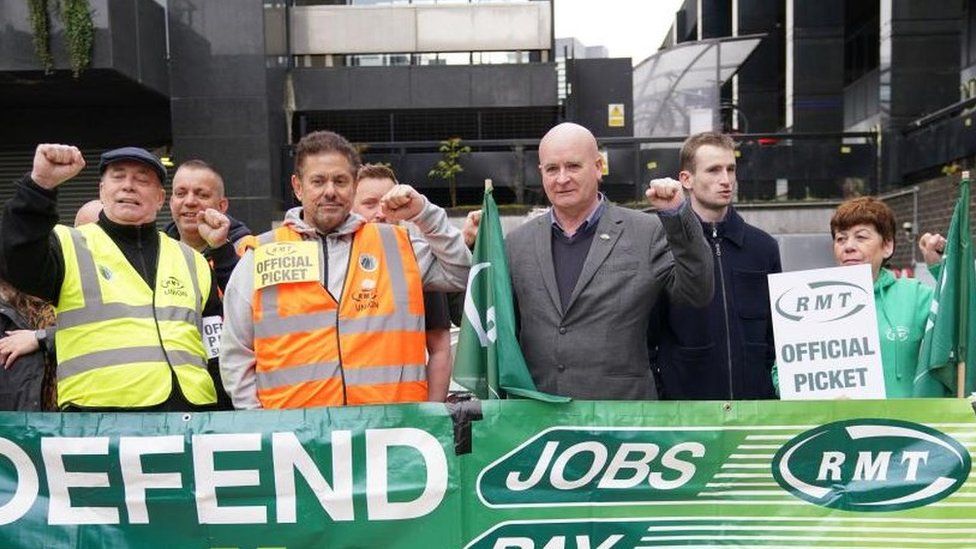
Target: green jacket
[{"x": 902, "y": 306}]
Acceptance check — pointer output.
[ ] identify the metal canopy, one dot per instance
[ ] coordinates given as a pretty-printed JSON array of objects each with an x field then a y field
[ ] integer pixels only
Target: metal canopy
[{"x": 684, "y": 81}]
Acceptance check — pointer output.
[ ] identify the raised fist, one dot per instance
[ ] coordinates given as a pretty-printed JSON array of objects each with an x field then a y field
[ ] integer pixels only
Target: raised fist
[
  {"x": 470, "y": 230},
  {"x": 401, "y": 203},
  {"x": 665, "y": 194},
  {"x": 932, "y": 247},
  {"x": 55, "y": 164},
  {"x": 213, "y": 227}
]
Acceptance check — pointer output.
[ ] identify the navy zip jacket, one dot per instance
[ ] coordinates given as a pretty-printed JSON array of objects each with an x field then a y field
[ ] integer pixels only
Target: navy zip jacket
[{"x": 724, "y": 351}]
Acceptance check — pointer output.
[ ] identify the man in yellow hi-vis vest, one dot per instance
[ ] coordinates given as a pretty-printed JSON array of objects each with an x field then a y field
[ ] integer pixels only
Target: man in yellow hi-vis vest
[
  {"x": 328, "y": 310},
  {"x": 131, "y": 303}
]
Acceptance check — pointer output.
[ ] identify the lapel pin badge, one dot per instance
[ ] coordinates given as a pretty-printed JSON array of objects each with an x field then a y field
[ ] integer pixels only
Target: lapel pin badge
[{"x": 604, "y": 236}]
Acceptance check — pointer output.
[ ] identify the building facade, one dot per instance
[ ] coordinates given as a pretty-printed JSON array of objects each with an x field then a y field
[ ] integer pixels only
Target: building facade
[{"x": 235, "y": 82}]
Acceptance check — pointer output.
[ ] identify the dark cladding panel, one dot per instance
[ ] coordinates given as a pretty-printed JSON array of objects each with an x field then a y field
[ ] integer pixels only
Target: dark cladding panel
[
  {"x": 597, "y": 84},
  {"x": 762, "y": 86},
  {"x": 759, "y": 15},
  {"x": 371, "y": 89},
  {"x": 818, "y": 65},
  {"x": 433, "y": 87},
  {"x": 122, "y": 15},
  {"x": 923, "y": 71},
  {"x": 316, "y": 87},
  {"x": 495, "y": 86},
  {"x": 716, "y": 21},
  {"x": 221, "y": 99}
]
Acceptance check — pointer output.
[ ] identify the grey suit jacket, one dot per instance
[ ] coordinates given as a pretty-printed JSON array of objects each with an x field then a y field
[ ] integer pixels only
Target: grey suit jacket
[{"x": 597, "y": 348}]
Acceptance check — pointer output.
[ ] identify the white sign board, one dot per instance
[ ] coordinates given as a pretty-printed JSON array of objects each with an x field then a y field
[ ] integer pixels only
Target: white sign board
[
  {"x": 826, "y": 334},
  {"x": 212, "y": 327}
]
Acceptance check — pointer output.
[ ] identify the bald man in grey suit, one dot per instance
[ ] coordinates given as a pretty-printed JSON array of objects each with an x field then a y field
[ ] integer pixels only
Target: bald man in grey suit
[{"x": 587, "y": 274}]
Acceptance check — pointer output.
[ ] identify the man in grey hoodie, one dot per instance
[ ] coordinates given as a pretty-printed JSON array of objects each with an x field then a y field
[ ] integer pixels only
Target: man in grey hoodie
[{"x": 327, "y": 309}]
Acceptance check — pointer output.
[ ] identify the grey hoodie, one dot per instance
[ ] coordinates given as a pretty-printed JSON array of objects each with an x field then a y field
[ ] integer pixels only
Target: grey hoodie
[{"x": 443, "y": 259}]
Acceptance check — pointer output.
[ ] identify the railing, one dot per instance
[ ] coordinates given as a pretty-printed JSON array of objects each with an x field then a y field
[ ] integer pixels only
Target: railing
[{"x": 771, "y": 166}]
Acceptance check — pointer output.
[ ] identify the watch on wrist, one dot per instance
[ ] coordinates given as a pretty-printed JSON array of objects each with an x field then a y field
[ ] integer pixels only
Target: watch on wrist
[{"x": 41, "y": 335}]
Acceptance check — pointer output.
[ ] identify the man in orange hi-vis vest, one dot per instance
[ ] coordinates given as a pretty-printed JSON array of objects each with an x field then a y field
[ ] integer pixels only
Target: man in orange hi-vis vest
[{"x": 327, "y": 310}]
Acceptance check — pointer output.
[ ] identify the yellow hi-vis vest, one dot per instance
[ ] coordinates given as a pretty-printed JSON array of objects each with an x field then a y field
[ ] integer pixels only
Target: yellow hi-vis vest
[{"x": 117, "y": 338}]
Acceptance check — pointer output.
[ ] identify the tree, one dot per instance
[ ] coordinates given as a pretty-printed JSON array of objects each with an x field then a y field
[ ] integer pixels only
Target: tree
[{"x": 448, "y": 167}]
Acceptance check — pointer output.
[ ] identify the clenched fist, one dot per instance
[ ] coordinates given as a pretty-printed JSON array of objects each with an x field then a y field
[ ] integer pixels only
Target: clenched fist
[
  {"x": 55, "y": 164},
  {"x": 470, "y": 230},
  {"x": 213, "y": 227},
  {"x": 665, "y": 194},
  {"x": 932, "y": 247},
  {"x": 401, "y": 203}
]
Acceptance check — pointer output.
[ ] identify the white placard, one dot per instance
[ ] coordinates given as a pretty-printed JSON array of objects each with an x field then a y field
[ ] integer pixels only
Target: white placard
[
  {"x": 212, "y": 326},
  {"x": 826, "y": 334}
]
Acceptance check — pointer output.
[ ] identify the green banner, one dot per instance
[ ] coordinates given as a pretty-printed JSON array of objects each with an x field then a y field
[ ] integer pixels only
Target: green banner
[{"x": 596, "y": 475}]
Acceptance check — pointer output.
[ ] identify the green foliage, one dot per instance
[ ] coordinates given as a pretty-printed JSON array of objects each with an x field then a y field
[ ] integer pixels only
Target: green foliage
[
  {"x": 449, "y": 166},
  {"x": 41, "y": 28},
  {"x": 80, "y": 33},
  {"x": 78, "y": 29}
]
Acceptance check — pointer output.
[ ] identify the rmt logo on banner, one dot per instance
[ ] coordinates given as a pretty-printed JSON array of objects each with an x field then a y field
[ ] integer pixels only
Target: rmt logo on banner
[{"x": 872, "y": 465}]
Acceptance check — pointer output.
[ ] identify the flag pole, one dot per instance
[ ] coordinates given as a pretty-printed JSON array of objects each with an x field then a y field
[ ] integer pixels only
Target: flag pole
[
  {"x": 961, "y": 366},
  {"x": 961, "y": 379}
]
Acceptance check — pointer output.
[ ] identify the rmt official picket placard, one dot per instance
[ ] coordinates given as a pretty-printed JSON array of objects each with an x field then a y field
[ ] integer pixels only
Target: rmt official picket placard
[{"x": 826, "y": 334}]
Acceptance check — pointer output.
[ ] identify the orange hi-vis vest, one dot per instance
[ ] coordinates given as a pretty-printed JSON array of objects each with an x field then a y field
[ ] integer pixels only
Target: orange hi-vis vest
[{"x": 367, "y": 348}]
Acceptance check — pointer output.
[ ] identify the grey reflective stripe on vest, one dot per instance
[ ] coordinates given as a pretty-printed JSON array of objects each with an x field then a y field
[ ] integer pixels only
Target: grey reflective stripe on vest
[
  {"x": 286, "y": 377},
  {"x": 375, "y": 375},
  {"x": 88, "y": 273},
  {"x": 398, "y": 279},
  {"x": 112, "y": 311},
  {"x": 396, "y": 322},
  {"x": 197, "y": 295},
  {"x": 274, "y": 325},
  {"x": 124, "y": 356}
]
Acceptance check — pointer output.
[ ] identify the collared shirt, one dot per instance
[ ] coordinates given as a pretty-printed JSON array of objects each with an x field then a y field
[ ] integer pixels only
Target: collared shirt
[
  {"x": 591, "y": 220},
  {"x": 569, "y": 252}
]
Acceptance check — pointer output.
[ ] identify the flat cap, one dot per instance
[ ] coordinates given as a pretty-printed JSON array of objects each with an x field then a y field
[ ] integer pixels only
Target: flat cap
[{"x": 134, "y": 154}]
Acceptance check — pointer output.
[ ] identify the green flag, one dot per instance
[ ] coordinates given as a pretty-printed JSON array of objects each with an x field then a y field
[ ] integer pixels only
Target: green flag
[
  {"x": 951, "y": 330},
  {"x": 489, "y": 361}
]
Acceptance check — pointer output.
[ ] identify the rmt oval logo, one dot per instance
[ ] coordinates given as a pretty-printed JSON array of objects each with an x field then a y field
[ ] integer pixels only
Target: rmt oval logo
[
  {"x": 825, "y": 301},
  {"x": 280, "y": 249},
  {"x": 872, "y": 465}
]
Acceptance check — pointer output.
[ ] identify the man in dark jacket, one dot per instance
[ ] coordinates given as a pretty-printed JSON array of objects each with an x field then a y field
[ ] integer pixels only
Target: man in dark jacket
[
  {"x": 198, "y": 187},
  {"x": 724, "y": 351}
]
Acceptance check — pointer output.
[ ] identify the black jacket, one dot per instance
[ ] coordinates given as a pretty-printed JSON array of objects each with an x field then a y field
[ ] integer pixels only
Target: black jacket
[
  {"x": 724, "y": 351},
  {"x": 222, "y": 259},
  {"x": 22, "y": 384},
  {"x": 33, "y": 262}
]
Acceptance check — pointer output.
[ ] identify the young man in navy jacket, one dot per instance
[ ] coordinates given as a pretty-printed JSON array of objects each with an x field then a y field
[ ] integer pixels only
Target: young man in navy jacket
[{"x": 724, "y": 351}]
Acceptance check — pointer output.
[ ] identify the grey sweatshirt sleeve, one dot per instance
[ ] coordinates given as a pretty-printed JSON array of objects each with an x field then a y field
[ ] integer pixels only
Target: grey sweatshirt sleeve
[
  {"x": 443, "y": 258},
  {"x": 237, "y": 358},
  {"x": 693, "y": 281}
]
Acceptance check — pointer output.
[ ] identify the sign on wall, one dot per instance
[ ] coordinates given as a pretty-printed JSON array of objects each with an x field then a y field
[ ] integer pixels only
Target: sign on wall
[{"x": 615, "y": 115}]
